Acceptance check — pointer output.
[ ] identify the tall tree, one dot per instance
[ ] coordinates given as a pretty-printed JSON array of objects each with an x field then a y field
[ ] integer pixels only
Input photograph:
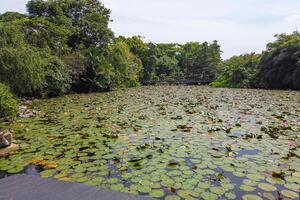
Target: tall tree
[
  {"x": 87, "y": 19},
  {"x": 280, "y": 64}
]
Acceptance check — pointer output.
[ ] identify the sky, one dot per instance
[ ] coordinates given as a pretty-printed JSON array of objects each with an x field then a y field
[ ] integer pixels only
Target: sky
[{"x": 241, "y": 26}]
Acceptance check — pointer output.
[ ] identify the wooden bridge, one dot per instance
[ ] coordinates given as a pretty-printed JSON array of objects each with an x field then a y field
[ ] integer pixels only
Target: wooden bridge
[
  {"x": 176, "y": 82},
  {"x": 25, "y": 187}
]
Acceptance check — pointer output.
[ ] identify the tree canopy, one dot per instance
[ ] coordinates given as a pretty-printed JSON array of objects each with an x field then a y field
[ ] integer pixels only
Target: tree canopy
[{"x": 64, "y": 46}]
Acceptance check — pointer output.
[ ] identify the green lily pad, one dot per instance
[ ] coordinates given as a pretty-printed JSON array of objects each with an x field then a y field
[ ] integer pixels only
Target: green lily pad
[
  {"x": 156, "y": 193},
  {"x": 267, "y": 187},
  {"x": 292, "y": 186},
  {"x": 230, "y": 195},
  {"x": 172, "y": 197},
  {"x": 144, "y": 189},
  {"x": 117, "y": 187},
  {"x": 209, "y": 196},
  {"x": 251, "y": 197},
  {"x": 247, "y": 188},
  {"x": 255, "y": 177},
  {"x": 155, "y": 185},
  {"x": 48, "y": 173},
  {"x": 217, "y": 190},
  {"x": 275, "y": 180},
  {"x": 289, "y": 194}
]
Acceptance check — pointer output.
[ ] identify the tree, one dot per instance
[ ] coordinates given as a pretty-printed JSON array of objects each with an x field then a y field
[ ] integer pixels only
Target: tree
[
  {"x": 11, "y": 16},
  {"x": 200, "y": 61},
  {"x": 127, "y": 66},
  {"x": 99, "y": 72},
  {"x": 280, "y": 64},
  {"x": 8, "y": 103},
  {"x": 165, "y": 66},
  {"x": 23, "y": 69},
  {"x": 238, "y": 71},
  {"x": 57, "y": 77},
  {"x": 87, "y": 19}
]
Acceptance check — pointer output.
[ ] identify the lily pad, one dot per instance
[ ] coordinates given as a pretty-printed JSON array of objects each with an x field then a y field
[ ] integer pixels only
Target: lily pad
[
  {"x": 251, "y": 197},
  {"x": 172, "y": 197},
  {"x": 156, "y": 193},
  {"x": 289, "y": 194},
  {"x": 247, "y": 188},
  {"x": 267, "y": 187}
]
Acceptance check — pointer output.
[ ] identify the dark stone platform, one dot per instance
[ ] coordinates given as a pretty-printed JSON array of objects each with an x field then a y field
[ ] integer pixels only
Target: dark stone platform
[{"x": 25, "y": 187}]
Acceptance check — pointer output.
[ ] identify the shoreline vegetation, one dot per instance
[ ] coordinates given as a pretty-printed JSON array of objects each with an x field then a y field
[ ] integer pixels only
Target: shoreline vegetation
[{"x": 66, "y": 46}]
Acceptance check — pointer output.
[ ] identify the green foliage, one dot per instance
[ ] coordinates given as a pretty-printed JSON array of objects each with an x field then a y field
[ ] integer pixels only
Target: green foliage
[
  {"x": 11, "y": 36},
  {"x": 87, "y": 19},
  {"x": 8, "y": 103},
  {"x": 57, "y": 77},
  {"x": 99, "y": 73},
  {"x": 201, "y": 61},
  {"x": 165, "y": 66},
  {"x": 280, "y": 64},
  {"x": 44, "y": 34},
  {"x": 77, "y": 67},
  {"x": 22, "y": 69},
  {"x": 127, "y": 66},
  {"x": 11, "y": 16},
  {"x": 238, "y": 71}
]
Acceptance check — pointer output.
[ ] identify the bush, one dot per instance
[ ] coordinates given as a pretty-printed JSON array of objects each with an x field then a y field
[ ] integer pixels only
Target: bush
[
  {"x": 8, "y": 103},
  {"x": 57, "y": 78},
  {"x": 22, "y": 69},
  {"x": 238, "y": 71},
  {"x": 76, "y": 65}
]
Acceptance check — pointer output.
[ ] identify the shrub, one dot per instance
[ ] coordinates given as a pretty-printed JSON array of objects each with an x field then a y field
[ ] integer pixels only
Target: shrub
[
  {"x": 22, "y": 69},
  {"x": 57, "y": 78},
  {"x": 76, "y": 65},
  {"x": 238, "y": 71},
  {"x": 8, "y": 103}
]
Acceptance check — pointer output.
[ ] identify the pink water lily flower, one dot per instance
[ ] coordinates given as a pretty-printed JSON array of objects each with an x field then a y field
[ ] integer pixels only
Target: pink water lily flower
[
  {"x": 114, "y": 126},
  {"x": 291, "y": 144}
]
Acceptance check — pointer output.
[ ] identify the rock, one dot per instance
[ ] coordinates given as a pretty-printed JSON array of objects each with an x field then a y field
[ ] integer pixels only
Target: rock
[
  {"x": 7, "y": 150},
  {"x": 6, "y": 138},
  {"x": 25, "y": 112}
]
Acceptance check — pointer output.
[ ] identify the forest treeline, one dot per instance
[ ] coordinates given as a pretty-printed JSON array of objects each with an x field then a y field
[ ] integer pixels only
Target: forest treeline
[{"x": 64, "y": 46}]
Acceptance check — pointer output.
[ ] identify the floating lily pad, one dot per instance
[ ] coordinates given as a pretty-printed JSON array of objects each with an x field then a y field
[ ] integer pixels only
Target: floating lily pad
[
  {"x": 251, "y": 197},
  {"x": 144, "y": 189},
  {"x": 275, "y": 180},
  {"x": 48, "y": 173},
  {"x": 255, "y": 177},
  {"x": 267, "y": 187},
  {"x": 172, "y": 197},
  {"x": 217, "y": 190},
  {"x": 292, "y": 186},
  {"x": 247, "y": 188},
  {"x": 230, "y": 195},
  {"x": 296, "y": 174},
  {"x": 156, "y": 193},
  {"x": 289, "y": 194},
  {"x": 209, "y": 196},
  {"x": 117, "y": 187}
]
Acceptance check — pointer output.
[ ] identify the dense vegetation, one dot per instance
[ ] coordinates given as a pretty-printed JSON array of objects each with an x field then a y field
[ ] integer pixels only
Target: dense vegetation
[
  {"x": 64, "y": 46},
  {"x": 8, "y": 103}
]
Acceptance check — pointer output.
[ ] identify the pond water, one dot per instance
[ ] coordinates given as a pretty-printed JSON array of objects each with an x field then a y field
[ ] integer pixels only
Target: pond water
[{"x": 167, "y": 142}]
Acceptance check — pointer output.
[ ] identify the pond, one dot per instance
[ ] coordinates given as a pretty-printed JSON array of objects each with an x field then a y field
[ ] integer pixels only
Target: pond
[{"x": 167, "y": 142}]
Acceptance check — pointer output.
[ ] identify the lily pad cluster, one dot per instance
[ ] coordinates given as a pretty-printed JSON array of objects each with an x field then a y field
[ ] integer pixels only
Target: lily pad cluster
[{"x": 168, "y": 142}]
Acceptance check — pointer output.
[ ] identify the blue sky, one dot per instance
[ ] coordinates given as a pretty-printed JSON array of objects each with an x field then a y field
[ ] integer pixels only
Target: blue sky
[{"x": 239, "y": 25}]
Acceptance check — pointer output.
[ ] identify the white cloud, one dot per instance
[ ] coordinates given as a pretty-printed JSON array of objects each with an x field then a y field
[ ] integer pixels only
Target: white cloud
[{"x": 240, "y": 26}]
